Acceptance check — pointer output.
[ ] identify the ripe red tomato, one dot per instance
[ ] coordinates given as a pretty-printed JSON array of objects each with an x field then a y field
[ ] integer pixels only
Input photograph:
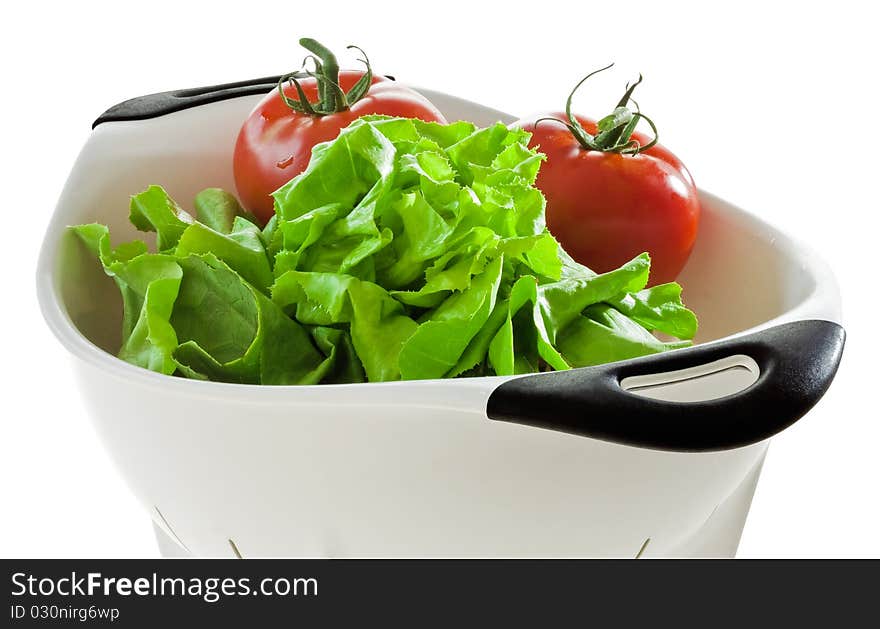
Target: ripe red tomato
[
  {"x": 275, "y": 142},
  {"x": 607, "y": 207}
]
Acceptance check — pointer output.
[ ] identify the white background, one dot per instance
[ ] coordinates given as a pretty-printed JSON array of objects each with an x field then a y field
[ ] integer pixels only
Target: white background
[{"x": 771, "y": 106}]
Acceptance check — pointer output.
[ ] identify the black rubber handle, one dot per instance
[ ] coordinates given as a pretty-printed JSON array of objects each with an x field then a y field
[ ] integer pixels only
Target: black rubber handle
[
  {"x": 797, "y": 363},
  {"x": 154, "y": 105}
]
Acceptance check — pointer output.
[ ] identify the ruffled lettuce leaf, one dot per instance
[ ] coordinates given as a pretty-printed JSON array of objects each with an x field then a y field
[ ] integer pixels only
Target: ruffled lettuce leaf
[
  {"x": 194, "y": 315},
  {"x": 154, "y": 211},
  {"x": 603, "y": 334},
  {"x": 148, "y": 284},
  {"x": 241, "y": 249},
  {"x": 442, "y": 337},
  {"x": 406, "y": 250},
  {"x": 256, "y": 343},
  {"x": 220, "y": 210}
]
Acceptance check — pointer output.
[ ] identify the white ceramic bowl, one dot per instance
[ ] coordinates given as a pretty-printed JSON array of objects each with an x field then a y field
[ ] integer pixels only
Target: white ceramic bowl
[{"x": 570, "y": 464}]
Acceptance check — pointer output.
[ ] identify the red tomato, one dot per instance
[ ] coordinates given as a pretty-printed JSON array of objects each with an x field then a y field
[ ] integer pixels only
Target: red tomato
[
  {"x": 275, "y": 142},
  {"x": 605, "y": 208}
]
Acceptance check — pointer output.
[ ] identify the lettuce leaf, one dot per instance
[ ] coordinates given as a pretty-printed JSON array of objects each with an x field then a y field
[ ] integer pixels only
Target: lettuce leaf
[
  {"x": 154, "y": 211},
  {"x": 406, "y": 250}
]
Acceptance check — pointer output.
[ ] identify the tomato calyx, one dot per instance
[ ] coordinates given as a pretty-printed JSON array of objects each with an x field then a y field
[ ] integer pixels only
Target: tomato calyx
[
  {"x": 331, "y": 97},
  {"x": 614, "y": 130}
]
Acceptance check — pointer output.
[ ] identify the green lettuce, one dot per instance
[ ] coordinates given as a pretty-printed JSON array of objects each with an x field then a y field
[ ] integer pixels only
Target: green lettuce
[
  {"x": 199, "y": 306},
  {"x": 406, "y": 250}
]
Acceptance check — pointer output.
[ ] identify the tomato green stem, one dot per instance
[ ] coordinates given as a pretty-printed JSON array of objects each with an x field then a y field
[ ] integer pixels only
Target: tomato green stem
[
  {"x": 614, "y": 131},
  {"x": 331, "y": 97},
  {"x": 329, "y": 69},
  {"x": 628, "y": 94}
]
